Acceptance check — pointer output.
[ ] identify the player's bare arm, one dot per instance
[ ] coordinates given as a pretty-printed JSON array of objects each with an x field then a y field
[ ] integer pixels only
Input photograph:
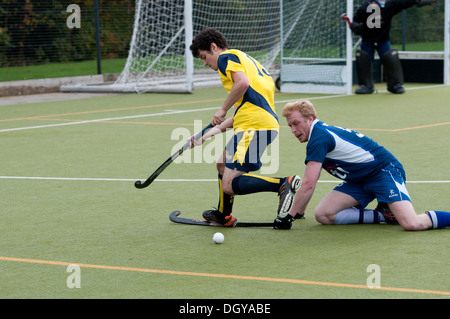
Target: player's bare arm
[
  {"x": 228, "y": 123},
  {"x": 240, "y": 86},
  {"x": 302, "y": 197},
  {"x": 304, "y": 194}
]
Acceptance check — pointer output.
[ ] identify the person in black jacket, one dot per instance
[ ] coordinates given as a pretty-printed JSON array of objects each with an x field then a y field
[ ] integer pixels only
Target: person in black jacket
[{"x": 372, "y": 22}]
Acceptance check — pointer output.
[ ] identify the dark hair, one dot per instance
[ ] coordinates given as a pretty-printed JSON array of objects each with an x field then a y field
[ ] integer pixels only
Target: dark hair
[{"x": 203, "y": 40}]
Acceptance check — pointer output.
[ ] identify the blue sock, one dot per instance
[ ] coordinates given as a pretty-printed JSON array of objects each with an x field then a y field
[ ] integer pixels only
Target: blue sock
[{"x": 439, "y": 219}]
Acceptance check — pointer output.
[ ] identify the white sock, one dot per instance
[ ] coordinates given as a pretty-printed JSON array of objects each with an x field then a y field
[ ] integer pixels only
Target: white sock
[{"x": 355, "y": 215}]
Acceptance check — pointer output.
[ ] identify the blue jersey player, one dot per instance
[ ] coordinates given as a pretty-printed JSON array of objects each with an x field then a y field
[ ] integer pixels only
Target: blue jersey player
[{"x": 368, "y": 170}]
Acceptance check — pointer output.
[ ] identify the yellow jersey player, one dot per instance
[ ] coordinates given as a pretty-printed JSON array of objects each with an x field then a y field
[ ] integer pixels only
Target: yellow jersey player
[{"x": 255, "y": 123}]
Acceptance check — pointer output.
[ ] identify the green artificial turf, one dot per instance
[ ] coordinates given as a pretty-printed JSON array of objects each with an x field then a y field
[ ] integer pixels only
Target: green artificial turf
[{"x": 87, "y": 211}]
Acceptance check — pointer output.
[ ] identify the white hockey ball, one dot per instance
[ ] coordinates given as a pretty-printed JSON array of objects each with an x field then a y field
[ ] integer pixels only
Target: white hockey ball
[{"x": 218, "y": 238}]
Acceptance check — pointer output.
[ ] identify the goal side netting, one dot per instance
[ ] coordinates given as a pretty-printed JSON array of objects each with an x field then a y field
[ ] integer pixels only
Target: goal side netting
[{"x": 316, "y": 51}]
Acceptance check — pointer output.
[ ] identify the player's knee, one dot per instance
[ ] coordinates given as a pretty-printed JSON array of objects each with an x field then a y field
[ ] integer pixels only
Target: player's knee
[
  {"x": 322, "y": 218},
  {"x": 412, "y": 225},
  {"x": 220, "y": 167},
  {"x": 227, "y": 185},
  {"x": 413, "y": 222},
  {"x": 227, "y": 188}
]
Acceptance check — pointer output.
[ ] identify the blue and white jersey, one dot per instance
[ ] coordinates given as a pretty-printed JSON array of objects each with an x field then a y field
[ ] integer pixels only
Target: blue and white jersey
[{"x": 344, "y": 153}]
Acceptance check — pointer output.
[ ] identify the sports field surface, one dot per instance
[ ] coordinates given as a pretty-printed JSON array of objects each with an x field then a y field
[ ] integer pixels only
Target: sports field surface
[{"x": 74, "y": 226}]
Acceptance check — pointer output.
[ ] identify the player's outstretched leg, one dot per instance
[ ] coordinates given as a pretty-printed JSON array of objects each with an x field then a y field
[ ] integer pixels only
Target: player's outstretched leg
[
  {"x": 409, "y": 220},
  {"x": 285, "y": 187}
]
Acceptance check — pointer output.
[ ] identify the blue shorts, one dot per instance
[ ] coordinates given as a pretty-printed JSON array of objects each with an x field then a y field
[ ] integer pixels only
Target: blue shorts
[
  {"x": 387, "y": 186},
  {"x": 245, "y": 148}
]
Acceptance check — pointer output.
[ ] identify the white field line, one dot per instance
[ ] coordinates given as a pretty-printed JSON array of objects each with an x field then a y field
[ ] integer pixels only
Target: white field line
[
  {"x": 170, "y": 112},
  {"x": 344, "y": 95},
  {"x": 194, "y": 180}
]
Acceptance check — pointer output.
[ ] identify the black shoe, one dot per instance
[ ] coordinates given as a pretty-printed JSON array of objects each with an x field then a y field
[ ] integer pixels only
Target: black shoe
[
  {"x": 389, "y": 218},
  {"x": 397, "y": 88},
  {"x": 287, "y": 192},
  {"x": 363, "y": 89},
  {"x": 218, "y": 217}
]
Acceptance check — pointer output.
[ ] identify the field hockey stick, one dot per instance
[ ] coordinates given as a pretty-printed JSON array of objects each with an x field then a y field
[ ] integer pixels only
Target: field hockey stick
[
  {"x": 159, "y": 170},
  {"x": 344, "y": 17},
  {"x": 175, "y": 217}
]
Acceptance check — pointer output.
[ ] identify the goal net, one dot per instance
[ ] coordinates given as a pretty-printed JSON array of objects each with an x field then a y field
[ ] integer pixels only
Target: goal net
[
  {"x": 160, "y": 60},
  {"x": 316, "y": 51}
]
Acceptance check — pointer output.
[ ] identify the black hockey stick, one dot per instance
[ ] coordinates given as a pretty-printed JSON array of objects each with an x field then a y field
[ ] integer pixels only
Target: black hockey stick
[
  {"x": 175, "y": 217},
  {"x": 139, "y": 184}
]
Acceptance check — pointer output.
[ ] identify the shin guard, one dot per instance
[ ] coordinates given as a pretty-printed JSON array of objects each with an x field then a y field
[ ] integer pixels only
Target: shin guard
[
  {"x": 394, "y": 72},
  {"x": 364, "y": 70}
]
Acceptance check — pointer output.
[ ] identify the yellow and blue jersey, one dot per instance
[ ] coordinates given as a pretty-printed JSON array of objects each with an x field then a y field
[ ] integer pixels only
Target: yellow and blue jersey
[{"x": 256, "y": 109}]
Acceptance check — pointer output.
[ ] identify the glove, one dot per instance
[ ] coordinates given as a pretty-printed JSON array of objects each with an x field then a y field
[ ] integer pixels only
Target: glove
[
  {"x": 357, "y": 28},
  {"x": 283, "y": 222}
]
